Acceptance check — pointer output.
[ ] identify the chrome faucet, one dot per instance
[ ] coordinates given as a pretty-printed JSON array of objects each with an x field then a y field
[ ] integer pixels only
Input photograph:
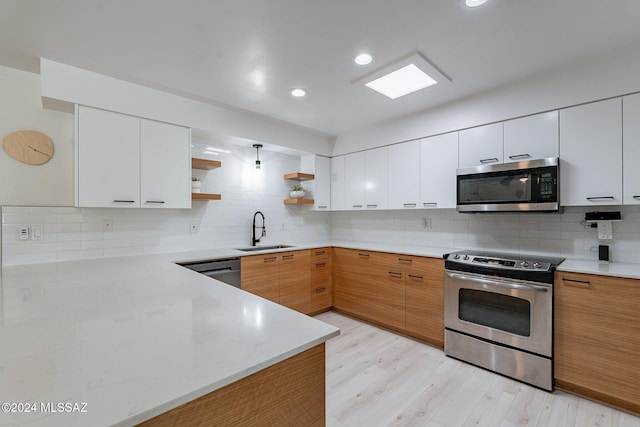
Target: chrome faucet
[{"x": 264, "y": 229}]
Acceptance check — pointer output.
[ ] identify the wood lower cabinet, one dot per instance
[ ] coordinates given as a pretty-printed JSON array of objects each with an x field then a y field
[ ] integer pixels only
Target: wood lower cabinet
[
  {"x": 320, "y": 269},
  {"x": 597, "y": 337},
  {"x": 279, "y": 277},
  {"x": 425, "y": 300}
]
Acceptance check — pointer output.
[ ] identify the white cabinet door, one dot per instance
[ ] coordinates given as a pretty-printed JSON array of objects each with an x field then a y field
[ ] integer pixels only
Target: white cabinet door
[
  {"x": 631, "y": 149},
  {"x": 376, "y": 178},
  {"x": 480, "y": 145},
  {"x": 354, "y": 173},
  {"x": 338, "y": 183},
  {"x": 404, "y": 175},
  {"x": 165, "y": 165},
  {"x": 591, "y": 154},
  {"x": 532, "y": 137},
  {"x": 438, "y": 162},
  {"x": 108, "y": 159},
  {"x": 322, "y": 184}
]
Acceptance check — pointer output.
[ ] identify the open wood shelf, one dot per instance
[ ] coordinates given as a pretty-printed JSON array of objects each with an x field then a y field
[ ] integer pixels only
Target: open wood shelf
[
  {"x": 205, "y": 164},
  {"x": 299, "y": 176},
  {"x": 299, "y": 201},
  {"x": 205, "y": 196}
]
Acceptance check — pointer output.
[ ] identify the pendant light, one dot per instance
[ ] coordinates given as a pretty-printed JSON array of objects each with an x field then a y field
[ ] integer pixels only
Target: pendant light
[{"x": 257, "y": 147}]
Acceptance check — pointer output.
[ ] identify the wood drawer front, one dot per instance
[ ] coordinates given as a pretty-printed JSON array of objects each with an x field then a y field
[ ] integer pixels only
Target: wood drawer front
[
  {"x": 403, "y": 261},
  {"x": 359, "y": 258},
  {"x": 597, "y": 335},
  {"x": 320, "y": 254}
]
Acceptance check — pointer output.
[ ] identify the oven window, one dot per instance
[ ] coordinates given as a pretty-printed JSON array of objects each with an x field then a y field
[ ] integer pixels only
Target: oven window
[{"x": 503, "y": 312}]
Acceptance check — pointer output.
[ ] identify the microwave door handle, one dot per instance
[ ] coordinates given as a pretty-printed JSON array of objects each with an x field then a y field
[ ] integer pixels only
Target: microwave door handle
[{"x": 500, "y": 283}]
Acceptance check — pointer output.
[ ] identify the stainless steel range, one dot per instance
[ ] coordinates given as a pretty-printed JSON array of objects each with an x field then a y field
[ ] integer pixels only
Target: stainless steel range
[{"x": 499, "y": 313}]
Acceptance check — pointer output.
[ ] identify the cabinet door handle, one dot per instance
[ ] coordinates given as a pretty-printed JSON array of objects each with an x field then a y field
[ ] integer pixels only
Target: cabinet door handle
[
  {"x": 287, "y": 256},
  {"x": 410, "y": 205},
  {"x": 429, "y": 204},
  {"x": 490, "y": 160},
  {"x": 322, "y": 264},
  {"x": 413, "y": 276},
  {"x": 356, "y": 206},
  {"x": 591, "y": 199},
  {"x": 406, "y": 260},
  {"x": 575, "y": 282},
  {"x": 124, "y": 201},
  {"x": 270, "y": 259},
  {"x": 322, "y": 207},
  {"x": 395, "y": 274},
  {"x": 520, "y": 156},
  {"x": 321, "y": 289},
  {"x": 364, "y": 255},
  {"x": 636, "y": 197},
  {"x": 160, "y": 202},
  {"x": 372, "y": 206}
]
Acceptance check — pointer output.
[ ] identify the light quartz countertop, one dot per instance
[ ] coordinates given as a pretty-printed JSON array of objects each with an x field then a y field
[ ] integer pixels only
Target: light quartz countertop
[
  {"x": 134, "y": 337},
  {"x": 126, "y": 339}
]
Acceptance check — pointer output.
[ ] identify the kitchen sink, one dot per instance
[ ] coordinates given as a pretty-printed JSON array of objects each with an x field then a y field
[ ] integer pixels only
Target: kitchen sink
[{"x": 263, "y": 248}]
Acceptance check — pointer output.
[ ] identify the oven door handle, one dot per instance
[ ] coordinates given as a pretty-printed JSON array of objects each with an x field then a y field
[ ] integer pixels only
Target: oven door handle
[{"x": 502, "y": 284}]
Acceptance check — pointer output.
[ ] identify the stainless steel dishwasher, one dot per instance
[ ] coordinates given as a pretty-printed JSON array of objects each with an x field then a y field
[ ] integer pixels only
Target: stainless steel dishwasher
[{"x": 225, "y": 270}]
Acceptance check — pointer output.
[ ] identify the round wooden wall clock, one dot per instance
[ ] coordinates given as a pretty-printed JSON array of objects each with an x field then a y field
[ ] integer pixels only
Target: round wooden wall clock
[{"x": 28, "y": 146}]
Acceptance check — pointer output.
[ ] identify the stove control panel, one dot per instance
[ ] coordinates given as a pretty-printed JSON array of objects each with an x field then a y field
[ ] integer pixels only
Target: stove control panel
[{"x": 500, "y": 262}]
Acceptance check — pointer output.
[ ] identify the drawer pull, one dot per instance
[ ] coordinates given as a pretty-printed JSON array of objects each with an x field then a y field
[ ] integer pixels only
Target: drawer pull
[
  {"x": 160, "y": 202},
  {"x": 395, "y": 274},
  {"x": 592, "y": 199},
  {"x": 321, "y": 289},
  {"x": 372, "y": 206},
  {"x": 406, "y": 260},
  {"x": 270, "y": 259},
  {"x": 413, "y": 276},
  {"x": 410, "y": 205},
  {"x": 490, "y": 160},
  {"x": 322, "y": 207},
  {"x": 322, "y": 264},
  {"x": 636, "y": 197},
  {"x": 520, "y": 156},
  {"x": 574, "y": 282},
  {"x": 320, "y": 252},
  {"x": 287, "y": 256},
  {"x": 356, "y": 206},
  {"x": 364, "y": 255},
  {"x": 124, "y": 201},
  {"x": 429, "y": 204}
]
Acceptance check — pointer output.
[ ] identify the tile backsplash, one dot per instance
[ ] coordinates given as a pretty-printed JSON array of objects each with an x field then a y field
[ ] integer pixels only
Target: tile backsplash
[{"x": 551, "y": 234}]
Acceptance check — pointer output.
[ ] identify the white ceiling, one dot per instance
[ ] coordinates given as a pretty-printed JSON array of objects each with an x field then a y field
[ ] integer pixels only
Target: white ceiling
[{"x": 248, "y": 53}]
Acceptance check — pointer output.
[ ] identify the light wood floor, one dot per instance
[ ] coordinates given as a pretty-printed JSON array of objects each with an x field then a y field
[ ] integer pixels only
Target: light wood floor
[{"x": 378, "y": 378}]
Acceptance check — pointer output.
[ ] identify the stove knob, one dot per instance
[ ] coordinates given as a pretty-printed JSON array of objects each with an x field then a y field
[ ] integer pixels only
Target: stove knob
[
  {"x": 537, "y": 265},
  {"x": 524, "y": 264},
  {"x": 456, "y": 256},
  {"x": 466, "y": 257}
]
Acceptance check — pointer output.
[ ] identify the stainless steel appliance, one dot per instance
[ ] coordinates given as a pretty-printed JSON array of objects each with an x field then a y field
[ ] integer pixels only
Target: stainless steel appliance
[
  {"x": 499, "y": 313},
  {"x": 530, "y": 185},
  {"x": 225, "y": 270}
]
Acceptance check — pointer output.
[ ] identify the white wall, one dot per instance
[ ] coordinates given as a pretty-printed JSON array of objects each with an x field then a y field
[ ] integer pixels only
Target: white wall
[
  {"x": 547, "y": 234},
  {"x": 614, "y": 74},
  {"x": 64, "y": 85},
  {"x": 77, "y": 233}
]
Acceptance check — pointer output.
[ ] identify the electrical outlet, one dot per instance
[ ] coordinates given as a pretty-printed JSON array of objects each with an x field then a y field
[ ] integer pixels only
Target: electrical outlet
[
  {"x": 23, "y": 232},
  {"x": 37, "y": 232},
  {"x": 426, "y": 224},
  {"x": 195, "y": 227},
  {"x": 283, "y": 226},
  {"x": 107, "y": 225},
  {"x": 605, "y": 231}
]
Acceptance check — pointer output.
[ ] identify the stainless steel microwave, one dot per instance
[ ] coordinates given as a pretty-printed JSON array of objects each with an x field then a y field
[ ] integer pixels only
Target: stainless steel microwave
[{"x": 528, "y": 186}]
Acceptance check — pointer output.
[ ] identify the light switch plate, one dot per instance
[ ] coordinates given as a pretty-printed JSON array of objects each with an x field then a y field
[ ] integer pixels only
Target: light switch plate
[{"x": 37, "y": 232}]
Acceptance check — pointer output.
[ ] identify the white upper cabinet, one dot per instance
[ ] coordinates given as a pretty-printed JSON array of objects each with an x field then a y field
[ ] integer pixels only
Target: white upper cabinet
[
  {"x": 354, "y": 180},
  {"x": 404, "y": 175},
  {"x": 480, "y": 145},
  {"x": 631, "y": 147},
  {"x": 338, "y": 183},
  {"x": 320, "y": 167},
  {"x": 532, "y": 137},
  {"x": 591, "y": 154},
  {"x": 438, "y": 162},
  {"x": 165, "y": 165},
  {"x": 376, "y": 178},
  {"x": 125, "y": 161},
  {"x": 108, "y": 159}
]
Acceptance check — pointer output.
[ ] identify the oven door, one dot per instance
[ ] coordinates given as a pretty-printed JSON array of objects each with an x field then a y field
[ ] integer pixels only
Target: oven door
[{"x": 512, "y": 312}]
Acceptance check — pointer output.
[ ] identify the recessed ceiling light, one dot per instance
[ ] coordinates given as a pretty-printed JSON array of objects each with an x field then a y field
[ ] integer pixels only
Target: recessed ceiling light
[
  {"x": 298, "y": 92},
  {"x": 363, "y": 59},
  {"x": 473, "y": 3},
  {"x": 402, "y": 82}
]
